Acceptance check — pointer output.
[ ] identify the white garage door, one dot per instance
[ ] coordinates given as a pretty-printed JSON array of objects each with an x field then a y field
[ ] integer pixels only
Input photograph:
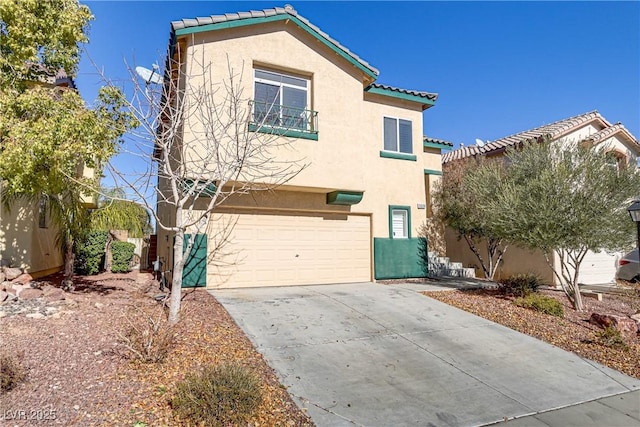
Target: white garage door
[
  {"x": 598, "y": 268},
  {"x": 278, "y": 250}
]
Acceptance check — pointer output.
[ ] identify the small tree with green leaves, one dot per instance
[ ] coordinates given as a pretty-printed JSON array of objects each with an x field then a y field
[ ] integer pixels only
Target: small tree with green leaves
[
  {"x": 565, "y": 198},
  {"x": 114, "y": 212},
  {"x": 460, "y": 207},
  {"x": 47, "y": 133}
]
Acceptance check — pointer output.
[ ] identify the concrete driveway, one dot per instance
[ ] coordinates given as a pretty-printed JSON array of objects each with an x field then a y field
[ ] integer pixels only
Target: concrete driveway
[{"x": 376, "y": 355}]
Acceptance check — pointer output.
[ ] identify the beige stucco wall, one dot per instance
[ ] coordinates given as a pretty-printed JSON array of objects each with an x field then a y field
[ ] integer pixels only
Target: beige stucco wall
[
  {"x": 516, "y": 260},
  {"x": 24, "y": 244},
  {"x": 346, "y": 155}
]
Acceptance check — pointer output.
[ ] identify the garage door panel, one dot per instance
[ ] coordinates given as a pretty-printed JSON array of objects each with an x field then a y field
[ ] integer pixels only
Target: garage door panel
[
  {"x": 278, "y": 250},
  {"x": 598, "y": 268}
]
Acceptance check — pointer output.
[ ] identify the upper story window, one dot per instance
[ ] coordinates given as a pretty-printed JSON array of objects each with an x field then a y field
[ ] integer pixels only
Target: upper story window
[
  {"x": 616, "y": 159},
  {"x": 281, "y": 100},
  {"x": 398, "y": 135}
]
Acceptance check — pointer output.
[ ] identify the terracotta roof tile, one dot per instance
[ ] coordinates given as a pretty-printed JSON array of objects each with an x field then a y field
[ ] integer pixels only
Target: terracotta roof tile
[
  {"x": 461, "y": 153},
  {"x": 287, "y": 10},
  {"x": 607, "y": 133},
  {"x": 553, "y": 130}
]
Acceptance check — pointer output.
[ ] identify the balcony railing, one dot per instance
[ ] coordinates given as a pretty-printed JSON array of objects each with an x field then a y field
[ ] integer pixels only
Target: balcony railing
[{"x": 282, "y": 117}]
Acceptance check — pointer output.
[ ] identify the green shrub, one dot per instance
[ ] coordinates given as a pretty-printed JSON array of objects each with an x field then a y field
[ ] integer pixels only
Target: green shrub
[
  {"x": 90, "y": 252},
  {"x": 520, "y": 285},
  {"x": 218, "y": 396},
  {"x": 11, "y": 372},
  {"x": 611, "y": 337},
  {"x": 122, "y": 255},
  {"x": 541, "y": 303}
]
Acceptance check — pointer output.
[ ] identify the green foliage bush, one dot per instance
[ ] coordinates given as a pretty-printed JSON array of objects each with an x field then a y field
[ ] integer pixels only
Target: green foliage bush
[
  {"x": 122, "y": 253},
  {"x": 541, "y": 303},
  {"x": 218, "y": 396},
  {"x": 520, "y": 285},
  {"x": 11, "y": 372},
  {"x": 90, "y": 252},
  {"x": 611, "y": 337}
]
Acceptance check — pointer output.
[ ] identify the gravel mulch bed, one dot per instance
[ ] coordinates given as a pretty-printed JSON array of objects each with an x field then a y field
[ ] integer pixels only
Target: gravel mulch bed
[
  {"x": 572, "y": 333},
  {"x": 76, "y": 373}
]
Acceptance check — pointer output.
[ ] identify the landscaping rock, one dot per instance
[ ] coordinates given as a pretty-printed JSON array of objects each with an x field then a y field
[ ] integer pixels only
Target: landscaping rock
[
  {"x": 54, "y": 294},
  {"x": 15, "y": 289},
  {"x": 623, "y": 324},
  {"x": 636, "y": 318},
  {"x": 2, "y": 277},
  {"x": 3, "y": 296},
  {"x": 23, "y": 279},
  {"x": 11, "y": 273},
  {"x": 35, "y": 315},
  {"x": 29, "y": 293}
]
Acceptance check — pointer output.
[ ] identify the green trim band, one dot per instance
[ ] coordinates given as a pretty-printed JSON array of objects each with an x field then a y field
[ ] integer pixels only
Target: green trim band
[
  {"x": 398, "y": 208},
  {"x": 400, "y": 95},
  {"x": 345, "y": 198},
  {"x": 436, "y": 145},
  {"x": 283, "y": 132},
  {"x": 432, "y": 172},
  {"x": 209, "y": 190},
  {"x": 400, "y": 156},
  {"x": 275, "y": 18}
]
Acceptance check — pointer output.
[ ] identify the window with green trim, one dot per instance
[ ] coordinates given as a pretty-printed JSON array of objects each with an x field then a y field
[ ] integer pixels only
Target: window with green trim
[
  {"x": 398, "y": 135},
  {"x": 399, "y": 222},
  {"x": 281, "y": 100}
]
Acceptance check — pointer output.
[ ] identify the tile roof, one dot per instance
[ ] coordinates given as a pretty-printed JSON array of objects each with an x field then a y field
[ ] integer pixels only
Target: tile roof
[
  {"x": 437, "y": 141},
  {"x": 265, "y": 13},
  {"x": 553, "y": 130},
  {"x": 607, "y": 133},
  {"x": 461, "y": 153},
  {"x": 427, "y": 95}
]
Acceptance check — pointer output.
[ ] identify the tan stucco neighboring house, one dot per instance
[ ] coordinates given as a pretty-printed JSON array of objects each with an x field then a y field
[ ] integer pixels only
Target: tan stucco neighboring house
[
  {"x": 592, "y": 128},
  {"x": 353, "y": 213}
]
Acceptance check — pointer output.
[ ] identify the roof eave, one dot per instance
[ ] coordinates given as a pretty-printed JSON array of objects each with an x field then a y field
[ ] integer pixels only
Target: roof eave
[
  {"x": 370, "y": 72},
  {"x": 425, "y": 102}
]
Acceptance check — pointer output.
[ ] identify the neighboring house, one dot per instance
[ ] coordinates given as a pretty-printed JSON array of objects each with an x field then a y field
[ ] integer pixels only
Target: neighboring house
[
  {"x": 352, "y": 215},
  {"x": 27, "y": 234},
  {"x": 591, "y": 127}
]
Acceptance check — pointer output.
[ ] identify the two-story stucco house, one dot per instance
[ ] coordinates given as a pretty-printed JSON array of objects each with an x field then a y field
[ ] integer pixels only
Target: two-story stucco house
[
  {"x": 352, "y": 214},
  {"x": 588, "y": 128}
]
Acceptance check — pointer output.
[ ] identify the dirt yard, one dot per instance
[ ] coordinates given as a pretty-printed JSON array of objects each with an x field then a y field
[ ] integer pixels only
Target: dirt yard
[
  {"x": 76, "y": 372},
  {"x": 572, "y": 333}
]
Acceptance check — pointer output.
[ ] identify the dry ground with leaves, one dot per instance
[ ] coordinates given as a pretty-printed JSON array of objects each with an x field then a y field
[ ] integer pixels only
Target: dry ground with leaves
[
  {"x": 76, "y": 374},
  {"x": 572, "y": 333}
]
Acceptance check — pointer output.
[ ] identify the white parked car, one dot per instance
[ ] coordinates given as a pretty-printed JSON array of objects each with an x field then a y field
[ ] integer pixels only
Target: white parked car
[{"x": 628, "y": 267}]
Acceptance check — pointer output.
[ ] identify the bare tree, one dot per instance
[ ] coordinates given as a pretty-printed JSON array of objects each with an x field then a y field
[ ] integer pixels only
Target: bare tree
[{"x": 201, "y": 141}]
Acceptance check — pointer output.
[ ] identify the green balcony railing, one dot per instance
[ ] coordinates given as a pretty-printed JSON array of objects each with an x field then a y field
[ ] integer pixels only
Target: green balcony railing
[{"x": 283, "y": 117}]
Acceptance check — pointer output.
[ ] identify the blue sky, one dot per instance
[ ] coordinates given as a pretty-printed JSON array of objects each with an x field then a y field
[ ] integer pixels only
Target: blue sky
[{"x": 498, "y": 67}]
